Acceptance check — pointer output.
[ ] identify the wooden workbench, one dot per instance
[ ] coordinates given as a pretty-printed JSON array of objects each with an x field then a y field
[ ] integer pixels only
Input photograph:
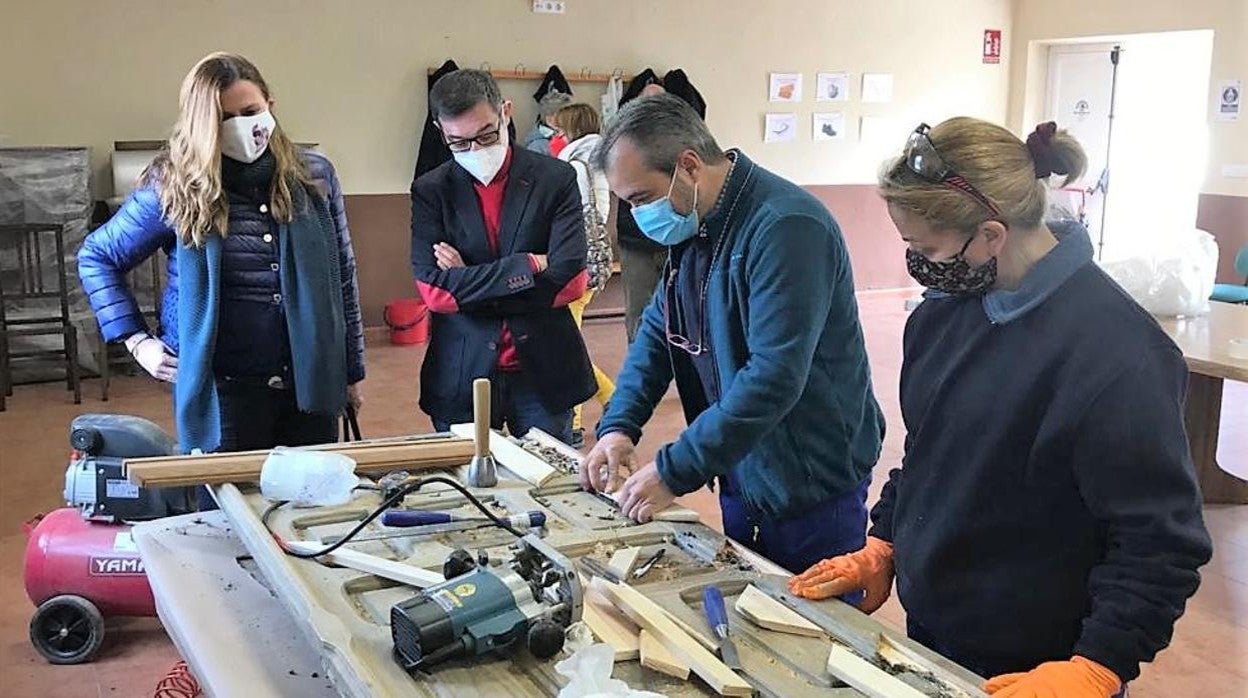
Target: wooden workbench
[
  {"x": 344, "y": 614},
  {"x": 1205, "y": 343}
]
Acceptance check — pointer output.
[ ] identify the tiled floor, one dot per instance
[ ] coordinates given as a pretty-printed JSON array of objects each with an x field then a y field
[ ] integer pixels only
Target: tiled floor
[{"x": 1208, "y": 658}]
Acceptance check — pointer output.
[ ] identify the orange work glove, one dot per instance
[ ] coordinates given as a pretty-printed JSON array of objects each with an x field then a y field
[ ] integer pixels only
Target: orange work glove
[
  {"x": 869, "y": 569},
  {"x": 1077, "y": 678}
]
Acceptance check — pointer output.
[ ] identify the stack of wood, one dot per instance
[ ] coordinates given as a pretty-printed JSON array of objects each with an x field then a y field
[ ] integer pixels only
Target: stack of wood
[{"x": 637, "y": 628}]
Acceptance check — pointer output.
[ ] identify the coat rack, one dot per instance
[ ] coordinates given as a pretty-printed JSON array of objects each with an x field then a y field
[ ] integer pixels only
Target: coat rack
[{"x": 520, "y": 72}]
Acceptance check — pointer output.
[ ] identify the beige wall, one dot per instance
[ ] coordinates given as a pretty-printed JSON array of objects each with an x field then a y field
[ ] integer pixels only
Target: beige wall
[
  {"x": 352, "y": 75},
  {"x": 1038, "y": 21}
]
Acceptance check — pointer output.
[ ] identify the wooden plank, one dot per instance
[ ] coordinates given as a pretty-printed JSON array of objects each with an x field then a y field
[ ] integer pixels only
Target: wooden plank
[
  {"x": 372, "y": 564},
  {"x": 765, "y": 612},
  {"x": 867, "y": 677},
  {"x": 653, "y": 618},
  {"x": 610, "y": 626},
  {"x": 842, "y": 622},
  {"x": 623, "y": 561},
  {"x": 656, "y": 656},
  {"x": 512, "y": 457},
  {"x": 898, "y": 655},
  {"x": 245, "y": 466},
  {"x": 703, "y": 639}
]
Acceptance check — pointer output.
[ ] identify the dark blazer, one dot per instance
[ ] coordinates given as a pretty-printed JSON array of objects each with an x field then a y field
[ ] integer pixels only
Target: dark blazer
[{"x": 541, "y": 215}]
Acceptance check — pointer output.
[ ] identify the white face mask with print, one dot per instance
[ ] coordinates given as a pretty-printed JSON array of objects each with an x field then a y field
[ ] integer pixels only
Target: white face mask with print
[{"x": 245, "y": 138}]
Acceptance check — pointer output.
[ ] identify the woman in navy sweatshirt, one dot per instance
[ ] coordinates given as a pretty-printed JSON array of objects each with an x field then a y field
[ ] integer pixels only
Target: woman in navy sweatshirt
[
  {"x": 1045, "y": 528},
  {"x": 260, "y": 322}
]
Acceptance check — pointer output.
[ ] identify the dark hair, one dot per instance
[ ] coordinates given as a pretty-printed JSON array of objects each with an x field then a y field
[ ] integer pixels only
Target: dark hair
[
  {"x": 661, "y": 127},
  {"x": 577, "y": 120},
  {"x": 458, "y": 92}
]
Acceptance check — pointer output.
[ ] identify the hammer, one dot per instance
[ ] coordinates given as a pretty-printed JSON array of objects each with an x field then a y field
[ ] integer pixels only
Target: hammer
[{"x": 482, "y": 471}]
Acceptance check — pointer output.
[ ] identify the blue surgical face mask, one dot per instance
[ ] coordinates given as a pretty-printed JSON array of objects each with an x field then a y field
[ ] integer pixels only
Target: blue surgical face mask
[{"x": 660, "y": 222}]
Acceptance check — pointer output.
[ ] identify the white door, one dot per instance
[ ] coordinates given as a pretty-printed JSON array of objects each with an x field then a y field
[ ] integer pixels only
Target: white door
[{"x": 1079, "y": 90}]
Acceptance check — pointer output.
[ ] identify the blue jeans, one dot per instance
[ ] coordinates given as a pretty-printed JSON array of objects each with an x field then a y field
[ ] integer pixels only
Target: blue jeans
[
  {"x": 514, "y": 402},
  {"x": 835, "y": 527},
  {"x": 986, "y": 667}
]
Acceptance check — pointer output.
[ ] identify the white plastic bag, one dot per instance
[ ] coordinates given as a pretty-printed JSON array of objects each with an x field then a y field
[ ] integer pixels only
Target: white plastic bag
[
  {"x": 589, "y": 669},
  {"x": 308, "y": 478},
  {"x": 1172, "y": 278}
]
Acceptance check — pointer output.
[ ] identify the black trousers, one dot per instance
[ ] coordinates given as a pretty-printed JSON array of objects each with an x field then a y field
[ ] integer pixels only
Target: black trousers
[{"x": 256, "y": 417}]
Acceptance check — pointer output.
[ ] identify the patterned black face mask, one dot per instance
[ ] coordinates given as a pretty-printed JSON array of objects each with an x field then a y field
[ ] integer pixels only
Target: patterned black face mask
[{"x": 954, "y": 276}]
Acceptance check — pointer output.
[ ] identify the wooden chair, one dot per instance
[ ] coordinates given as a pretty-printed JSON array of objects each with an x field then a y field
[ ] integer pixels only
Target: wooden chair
[{"x": 25, "y": 246}]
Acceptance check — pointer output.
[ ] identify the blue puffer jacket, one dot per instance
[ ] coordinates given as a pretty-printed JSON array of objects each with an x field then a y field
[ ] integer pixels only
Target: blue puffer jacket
[{"x": 138, "y": 230}]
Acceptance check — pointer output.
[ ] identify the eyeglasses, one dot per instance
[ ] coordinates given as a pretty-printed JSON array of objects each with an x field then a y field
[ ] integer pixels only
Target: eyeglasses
[
  {"x": 463, "y": 145},
  {"x": 670, "y": 301},
  {"x": 924, "y": 160}
]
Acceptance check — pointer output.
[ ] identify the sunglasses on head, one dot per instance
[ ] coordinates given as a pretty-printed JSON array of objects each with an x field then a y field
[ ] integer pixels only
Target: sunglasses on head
[{"x": 924, "y": 160}]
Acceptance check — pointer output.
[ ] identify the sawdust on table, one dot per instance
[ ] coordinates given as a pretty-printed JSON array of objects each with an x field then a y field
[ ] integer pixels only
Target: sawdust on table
[{"x": 552, "y": 456}]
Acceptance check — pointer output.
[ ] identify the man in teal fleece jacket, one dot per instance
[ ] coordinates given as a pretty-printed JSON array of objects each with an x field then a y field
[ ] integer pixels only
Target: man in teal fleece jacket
[{"x": 755, "y": 319}]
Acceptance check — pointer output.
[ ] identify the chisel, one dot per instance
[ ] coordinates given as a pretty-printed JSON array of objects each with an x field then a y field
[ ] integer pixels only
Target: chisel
[
  {"x": 420, "y": 517},
  {"x": 717, "y": 618}
]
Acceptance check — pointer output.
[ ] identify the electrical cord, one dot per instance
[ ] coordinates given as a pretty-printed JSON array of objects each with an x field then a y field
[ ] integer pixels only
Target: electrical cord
[{"x": 390, "y": 501}]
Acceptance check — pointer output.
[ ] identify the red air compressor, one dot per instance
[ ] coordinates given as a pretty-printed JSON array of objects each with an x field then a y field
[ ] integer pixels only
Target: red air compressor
[{"x": 81, "y": 563}]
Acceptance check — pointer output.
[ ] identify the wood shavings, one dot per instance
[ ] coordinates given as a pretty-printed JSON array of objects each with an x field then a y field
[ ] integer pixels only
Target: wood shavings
[{"x": 552, "y": 456}]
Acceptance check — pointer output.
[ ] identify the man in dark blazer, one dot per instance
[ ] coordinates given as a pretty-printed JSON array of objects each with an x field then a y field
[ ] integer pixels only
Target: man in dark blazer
[{"x": 498, "y": 251}]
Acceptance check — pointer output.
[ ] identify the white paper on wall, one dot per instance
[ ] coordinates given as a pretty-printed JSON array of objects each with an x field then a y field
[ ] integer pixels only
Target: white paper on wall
[
  {"x": 877, "y": 87},
  {"x": 785, "y": 87},
  {"x": 832, "y": 87},
  {"x": 829, "y": 126},
  {"x": 779, "y": 128},
  {"x": 1230, "y": 100}
]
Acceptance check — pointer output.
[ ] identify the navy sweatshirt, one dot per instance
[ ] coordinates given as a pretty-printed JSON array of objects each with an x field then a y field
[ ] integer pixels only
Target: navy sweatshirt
[{"x": 1047, "y": 504}]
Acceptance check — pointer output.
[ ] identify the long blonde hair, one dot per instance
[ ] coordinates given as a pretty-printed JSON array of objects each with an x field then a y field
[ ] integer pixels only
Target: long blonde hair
[
  {"x": 187, "y": 173},
  {"x": 996, "y": 163}
]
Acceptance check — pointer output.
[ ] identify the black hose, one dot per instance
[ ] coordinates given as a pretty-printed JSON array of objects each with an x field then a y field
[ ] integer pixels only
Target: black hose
[{"x": 391, "y": 501}]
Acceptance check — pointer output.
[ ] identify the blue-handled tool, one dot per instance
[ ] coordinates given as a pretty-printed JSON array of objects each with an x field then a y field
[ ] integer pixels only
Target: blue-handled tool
[
  {"x": 401, "y": 518},
  {"x": 717, "y": 617},
  {"x": 523, "y": 522}
]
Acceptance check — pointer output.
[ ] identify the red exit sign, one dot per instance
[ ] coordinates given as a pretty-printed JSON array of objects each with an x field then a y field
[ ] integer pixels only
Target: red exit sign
[{"x": 992, "y": 45}]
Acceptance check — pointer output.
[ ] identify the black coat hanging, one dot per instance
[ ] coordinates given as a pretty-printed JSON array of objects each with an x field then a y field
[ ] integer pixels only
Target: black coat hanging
[{"x": 433, "y": 150}]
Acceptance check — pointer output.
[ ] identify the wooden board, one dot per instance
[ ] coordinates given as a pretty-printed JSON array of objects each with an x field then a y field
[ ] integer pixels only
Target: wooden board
[
  {"x": 866, "y": 677},
  {"x": 623, "y": 562},
  {"x": 245, "y": 466},
  {"x": 654, "y": 619},
  {"x": 766, "y": 612},
  {"x": 379, "y": 566},
  {"x": 899, "y": 656},
  {"x": 512, "y": 457},
  {"x": 656, "y": 656},
  {"x": 609, "y": 625}
]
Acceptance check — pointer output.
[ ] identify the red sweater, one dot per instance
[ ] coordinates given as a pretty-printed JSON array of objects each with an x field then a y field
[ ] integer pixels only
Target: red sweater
[{"x": 491, "y": 198}]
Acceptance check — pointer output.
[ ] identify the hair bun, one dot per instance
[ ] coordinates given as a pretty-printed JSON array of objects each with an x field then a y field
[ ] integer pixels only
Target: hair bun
[{"x": 1039, "y": 144}]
